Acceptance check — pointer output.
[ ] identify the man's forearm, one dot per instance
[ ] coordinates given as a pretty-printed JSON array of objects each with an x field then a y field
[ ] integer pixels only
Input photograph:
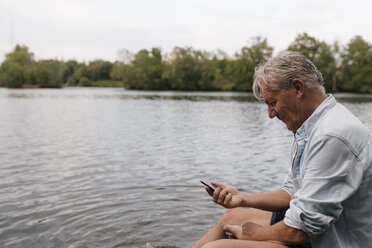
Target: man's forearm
[
  {"x": 272, "y": 201},
  {"x": 279, "y": 232}
]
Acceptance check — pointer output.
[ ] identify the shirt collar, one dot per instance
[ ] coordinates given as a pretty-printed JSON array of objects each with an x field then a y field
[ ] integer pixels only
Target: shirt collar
[{"x": 306, "y": 128}]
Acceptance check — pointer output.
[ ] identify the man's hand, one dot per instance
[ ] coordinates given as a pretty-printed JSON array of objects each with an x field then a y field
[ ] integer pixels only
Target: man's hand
[
  {"x": 233, "y": 231},
  {"x": 226, "y": 195},
  {"x": 246, "y": 232}
]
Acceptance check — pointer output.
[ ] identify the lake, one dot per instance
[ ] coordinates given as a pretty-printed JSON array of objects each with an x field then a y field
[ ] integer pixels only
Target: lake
[{"x": 108, "y": 167}]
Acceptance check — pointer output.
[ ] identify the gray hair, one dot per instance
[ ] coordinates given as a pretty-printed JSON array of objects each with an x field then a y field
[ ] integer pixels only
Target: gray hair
[{"x": 278, "y": 73}]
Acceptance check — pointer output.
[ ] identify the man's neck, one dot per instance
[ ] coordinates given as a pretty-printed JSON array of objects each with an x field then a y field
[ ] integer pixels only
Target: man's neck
[{"x": 311, "y": 102}]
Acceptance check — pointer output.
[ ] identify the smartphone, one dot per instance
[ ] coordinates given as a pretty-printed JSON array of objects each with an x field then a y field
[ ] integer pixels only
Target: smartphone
[{"x": 209, "y": 187}]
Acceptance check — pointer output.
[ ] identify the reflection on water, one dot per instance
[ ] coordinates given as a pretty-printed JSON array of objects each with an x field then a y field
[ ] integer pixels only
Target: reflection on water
[{"x": 114, "y": 168}]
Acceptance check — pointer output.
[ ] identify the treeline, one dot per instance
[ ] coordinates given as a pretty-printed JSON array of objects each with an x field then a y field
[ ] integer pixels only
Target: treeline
[
  {"x": 21, "y": 70},
  {"x": 345, "y": 68}
]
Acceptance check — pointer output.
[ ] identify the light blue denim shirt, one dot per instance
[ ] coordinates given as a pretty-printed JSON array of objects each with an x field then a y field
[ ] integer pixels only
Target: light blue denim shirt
[{"x": 331, "y": 176}]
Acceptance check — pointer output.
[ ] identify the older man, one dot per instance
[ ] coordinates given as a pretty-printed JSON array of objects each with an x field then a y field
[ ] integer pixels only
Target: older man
[
  {"x": 326, "y": 198},
  {"x": 327, "y": 195}
]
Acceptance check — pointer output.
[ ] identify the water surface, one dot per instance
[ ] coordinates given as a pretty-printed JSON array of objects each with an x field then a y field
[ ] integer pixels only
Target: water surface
[{"x": 94, "y": 167}]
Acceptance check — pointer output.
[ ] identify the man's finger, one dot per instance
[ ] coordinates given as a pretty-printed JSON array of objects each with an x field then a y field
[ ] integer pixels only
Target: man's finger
[
  {"x": 216, "y": 194},
  {"x": 228, "y": 198},
  {"x": 230, "y": 235},
  {"x": 216, "y": 184},
  {"x": 221, "y": 197}
]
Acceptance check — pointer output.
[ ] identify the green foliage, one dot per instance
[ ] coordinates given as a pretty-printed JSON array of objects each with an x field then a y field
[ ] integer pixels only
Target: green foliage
[
  {"x": 241, "y": 69},
  {"x": 190, "y": 69},
  {"x": 211, "y": 72},
  {"x": 184, "y": 72},
  {"x": 320, "y": 53},
  {"x": 68, "y": 75},
  {"x": 49, "y": 73},
  {"x": 118, "y": 71},
  {"x": 80, "y": 72},
  {"x": 18, "y": 68},
  {"x": 344, "y": 68},
  {"x": 84, "y": 82},
  {"x": 146, "y": 71},
  {"x": 98, "y": 70},
  {"x": 356, "y": 71}
]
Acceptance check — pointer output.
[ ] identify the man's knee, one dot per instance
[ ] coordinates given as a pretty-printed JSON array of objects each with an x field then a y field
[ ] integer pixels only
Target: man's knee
[
  {"x": 229, "y": 216},
  {"x": 236, "y": 216}
]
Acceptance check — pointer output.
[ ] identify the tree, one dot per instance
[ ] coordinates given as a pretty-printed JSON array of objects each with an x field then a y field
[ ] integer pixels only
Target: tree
[
  {"x": 105, "y": 70},
  {"x": 99, "y": 70},
  {"x": 356, "y": 69},
  {"x": 208, "y": 64},
  {"x": 241, "y": 70},
  {"x": 183, "y": 71},
  {"x": 320, "y": 53},
  {"x": 79, "y": 73},
  {"x": 146, "y": 71},
  {"x": 50, "y": 74},
  {"x": 68, "y": 76},
  {"x": 118, "y": 71},
  {"x": 18, "y": 68},
  {"x": 221, "y": 81}
]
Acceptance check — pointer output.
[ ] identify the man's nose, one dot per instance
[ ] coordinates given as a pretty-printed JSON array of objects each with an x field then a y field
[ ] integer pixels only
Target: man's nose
[{"x": 271, "y": 111}]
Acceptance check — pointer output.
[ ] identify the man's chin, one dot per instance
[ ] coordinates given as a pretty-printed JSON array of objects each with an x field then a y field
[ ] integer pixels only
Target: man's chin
[{"x": 291, "y": 128}]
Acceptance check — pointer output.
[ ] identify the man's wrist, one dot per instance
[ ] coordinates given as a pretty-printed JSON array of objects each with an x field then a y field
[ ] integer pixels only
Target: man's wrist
[{"x": 245, "y": 200}]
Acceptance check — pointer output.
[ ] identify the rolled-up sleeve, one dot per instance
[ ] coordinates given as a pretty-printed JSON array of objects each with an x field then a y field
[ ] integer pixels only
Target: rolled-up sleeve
[{"x": 331, "y": 175}]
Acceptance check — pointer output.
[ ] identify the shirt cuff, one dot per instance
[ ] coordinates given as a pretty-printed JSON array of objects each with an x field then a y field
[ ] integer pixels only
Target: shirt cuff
[
  {"x": 288, "y": 190},
  {"x": 293, "y": 219}
]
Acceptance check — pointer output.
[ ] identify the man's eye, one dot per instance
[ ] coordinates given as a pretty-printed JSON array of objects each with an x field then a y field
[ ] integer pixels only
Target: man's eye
[{"x": 272, "y": 104}]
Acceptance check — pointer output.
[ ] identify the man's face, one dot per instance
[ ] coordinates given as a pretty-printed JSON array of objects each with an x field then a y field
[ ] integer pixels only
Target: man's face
[{"x": 284, "y": 105}]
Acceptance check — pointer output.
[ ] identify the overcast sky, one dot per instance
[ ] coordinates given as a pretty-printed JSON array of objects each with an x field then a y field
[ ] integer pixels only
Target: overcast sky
[{"x": 98, "y": 29}]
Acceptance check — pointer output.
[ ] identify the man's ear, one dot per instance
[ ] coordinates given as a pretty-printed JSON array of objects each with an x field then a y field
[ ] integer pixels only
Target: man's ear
[{"x": 298, "y": 86}]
